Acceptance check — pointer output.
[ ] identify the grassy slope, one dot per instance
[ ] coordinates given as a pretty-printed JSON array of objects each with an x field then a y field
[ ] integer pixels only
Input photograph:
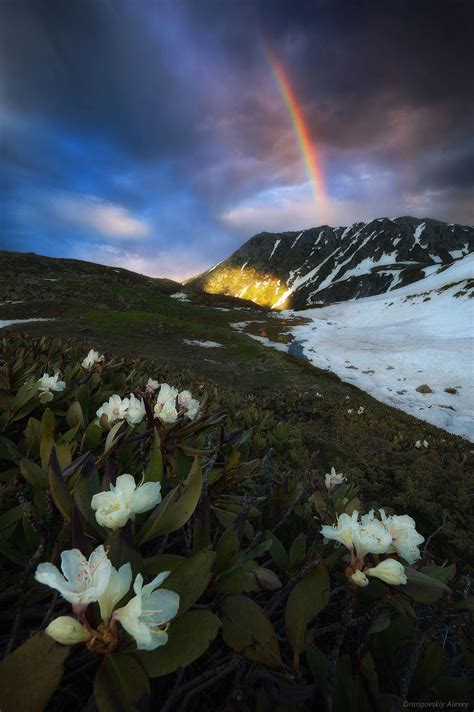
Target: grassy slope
[{"x": 125, "y": 313}]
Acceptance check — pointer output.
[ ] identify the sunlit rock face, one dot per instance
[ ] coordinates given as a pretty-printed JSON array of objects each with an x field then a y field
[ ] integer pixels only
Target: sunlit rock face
[{"x": 326, "y": 264}]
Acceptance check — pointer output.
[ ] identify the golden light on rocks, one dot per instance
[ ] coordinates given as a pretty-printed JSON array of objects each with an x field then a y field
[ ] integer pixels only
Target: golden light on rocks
[{"x": 263, "y": 289}]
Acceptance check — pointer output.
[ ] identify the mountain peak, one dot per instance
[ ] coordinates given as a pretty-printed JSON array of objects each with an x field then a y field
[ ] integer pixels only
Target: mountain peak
[{"x": 324, "y": 264}]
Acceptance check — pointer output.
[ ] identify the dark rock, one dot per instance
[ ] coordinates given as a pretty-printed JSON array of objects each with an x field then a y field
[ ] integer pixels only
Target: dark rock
[{"x": 424, "y": 389}]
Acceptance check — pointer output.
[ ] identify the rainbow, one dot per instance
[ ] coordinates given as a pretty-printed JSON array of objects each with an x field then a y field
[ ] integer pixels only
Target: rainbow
[{"x": 310, "y": 155}]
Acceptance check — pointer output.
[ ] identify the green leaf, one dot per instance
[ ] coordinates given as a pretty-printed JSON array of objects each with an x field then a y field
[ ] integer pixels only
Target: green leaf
[
  {"x": 121, "y": 685},
  {"x": 188, "y": 638},
  {"x": 177, "y": 507},
  {"x": 24, "y": 394},
  {"x": 82, "y": 397},
  {"x": 297, "y": 551},
  {"x": 423, "y": 588},
  {"x": 249, "y": 631},
  {"x": 319, "y": 665},
  {"x": 33, "y": 474},
  {"x": 380, "y": 622},
  {"x": 48, "y": 425},
  {"x": 9, "y": 521},
  {"x": 58, "y": 487},
  {"x": 191, "y": 578},
  {"x": 33, "y": 434},
  {"x": 8, "y": 450},
  {"x": 30, "y": 675},
  {"x": 74, "y": 416},
  {"x": 84, "y": 489},
  {"x": 227, "y": 551},
  {"x": 278, "y": 552},
  {"x": 305, "y": 601},
  {"x": 92, "y": 436},
  {"x": 442, "y": 573},
  {"x": 246, "y": 578},
  {"x": 162, "y": 562},
  {"x": 154, "y": 471}
]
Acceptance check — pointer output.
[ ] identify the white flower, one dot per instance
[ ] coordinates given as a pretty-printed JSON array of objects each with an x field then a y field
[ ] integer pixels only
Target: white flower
[
  {"x": 167, "y": 393},
  {"x": 418, "y": 444},
  {"x": 67, "y": 630},
  {"x": 170, "y": 404},
  {"x": 405, "y": 538},
  {"x": 92, "y": 358},
  {"x": 319, "y": 395},
  {"x": 334, "y": 478},
  {"x": 189, "y": 404},
  {"x": 350, "y": 411},
  {"x": 167, "y": 412},
  {"x": 348, "y": 397},
  {"x": 360, "y": 579},
  {"x": 151, "y": 385},
  {"x": 391, "y": 571},
  {"x": 123, "y": 501},
  {"x": 84, "y": 581},
  {"x": 119, "y": 584},
  {"x": 166, "y": 402},
  {"x": 148, "y": 612},
  {"x": 136, "y": 410},
  {"x": 425, "y": 443},
  {"x": 115, "y": 409},
  {"x": 48, "y": 385},
  {"x": 360, "y": 411},
  {"x": 372, "y": 538},
  {"x": 343, "y": 531}
]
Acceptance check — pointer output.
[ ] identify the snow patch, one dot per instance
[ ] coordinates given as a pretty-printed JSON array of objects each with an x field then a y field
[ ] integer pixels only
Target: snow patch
[
  {"x": 296, "y": 240},
  {"x": 418, "y": 232},
  {"x": 277, "y": 242},
  {"x": 203, "y": 344},
  {"x": 10, "y": 322}
]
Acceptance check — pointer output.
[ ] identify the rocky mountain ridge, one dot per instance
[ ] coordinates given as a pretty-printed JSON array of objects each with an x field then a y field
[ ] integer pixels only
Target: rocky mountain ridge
[{"x": 323, "y": 265}]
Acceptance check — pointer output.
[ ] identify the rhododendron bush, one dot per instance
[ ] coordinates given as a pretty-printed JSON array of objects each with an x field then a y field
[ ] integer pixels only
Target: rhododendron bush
[{"x": 153, "y": 561}]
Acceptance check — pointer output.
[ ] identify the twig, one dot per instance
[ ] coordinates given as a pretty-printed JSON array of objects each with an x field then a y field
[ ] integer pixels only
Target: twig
[
  {"x": 425, "y": 549},
  {"x": 195, "y": 685},
  {"x": 218, "y": 675},
  {"x": 287, "y": 588}
]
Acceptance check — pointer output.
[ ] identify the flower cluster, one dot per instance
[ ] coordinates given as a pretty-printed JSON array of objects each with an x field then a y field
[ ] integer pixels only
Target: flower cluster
[
  {"x": 116, "y": 408},
  {"x": 170, "y": 404},
  {"x": 91, "y": 359},
  {"x": 124, "y": 500},
  {"x": 48, "y": 386},
  {"x": 392, "y": 534},
  {"x": 85, "y": 581}
]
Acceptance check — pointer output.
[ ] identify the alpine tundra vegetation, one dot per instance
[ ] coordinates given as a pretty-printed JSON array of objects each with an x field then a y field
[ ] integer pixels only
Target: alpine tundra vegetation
[{"x": 236, "y": 551}]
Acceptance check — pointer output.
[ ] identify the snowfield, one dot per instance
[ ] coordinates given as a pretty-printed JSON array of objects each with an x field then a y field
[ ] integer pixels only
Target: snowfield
[{"x": 390, "y": 344}]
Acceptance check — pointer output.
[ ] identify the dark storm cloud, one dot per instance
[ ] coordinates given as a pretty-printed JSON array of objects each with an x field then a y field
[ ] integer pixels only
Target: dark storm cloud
[{"x": 167, "y": 114}]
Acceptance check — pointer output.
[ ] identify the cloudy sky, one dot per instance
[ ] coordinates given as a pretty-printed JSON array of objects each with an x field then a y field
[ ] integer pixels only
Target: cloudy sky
[{"x": 152, "y": 134}]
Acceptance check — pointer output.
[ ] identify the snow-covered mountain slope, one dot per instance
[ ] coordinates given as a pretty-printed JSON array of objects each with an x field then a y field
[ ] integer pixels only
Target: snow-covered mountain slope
[
  {"x": 325, "y": 264},
  {"x": 389, "y": 345}
]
